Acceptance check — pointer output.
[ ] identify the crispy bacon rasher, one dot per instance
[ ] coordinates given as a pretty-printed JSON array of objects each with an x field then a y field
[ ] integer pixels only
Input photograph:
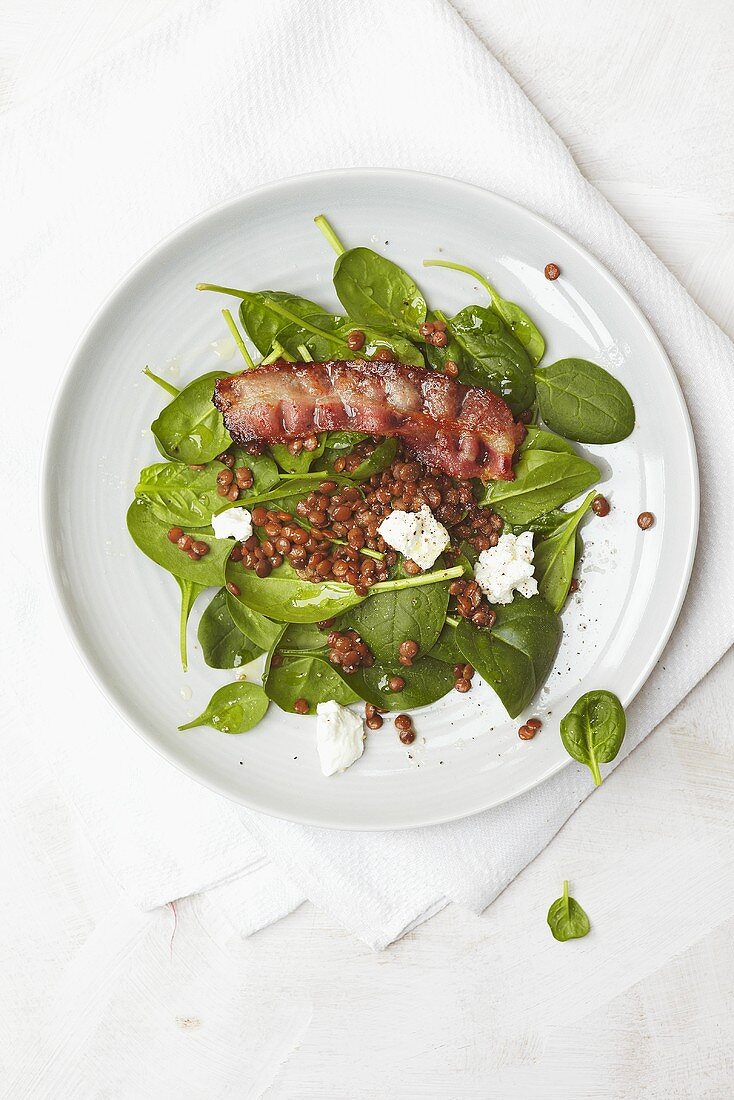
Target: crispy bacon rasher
[{"x": 462, "y": 430}]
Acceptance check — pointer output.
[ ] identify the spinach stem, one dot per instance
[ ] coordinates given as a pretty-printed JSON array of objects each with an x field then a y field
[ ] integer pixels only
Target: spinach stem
[
  {"x": 327, "y": 229},
  {"x": 231, "y": 325},
  {"x": 451, "y": 621},
  {"x": 276, "y": 307},
  {"x": 161, "y": 382},
  {"x": 565, "y": 890},
  {"x": 594, "y": 765},
  {"x": 278, "y": 352},
  {"x": 182, "y": 625},
  {"x": 305, "y": 353},
  {"x": 416, "y": 582},
  {"x": 222, "y": 289},
  {"x": 493, "y": 295}
]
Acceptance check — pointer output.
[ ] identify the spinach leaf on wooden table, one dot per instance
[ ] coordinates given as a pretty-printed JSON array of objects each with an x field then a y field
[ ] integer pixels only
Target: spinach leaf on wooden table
[
  {"x": 555, "y": 558},
  {"x": 543, "y": 480},
  {"x": 593, "y": 730},
  {"x": 566, "y": 919},
  {"x": 516, "y": 655},
  {"x": 222, "y": 642},
  {"x": 234, "y": 708},
  {"x": 582, "y": 401},
  {"x": 190, "y": 429},
  {"x": 376, "y": 292}
]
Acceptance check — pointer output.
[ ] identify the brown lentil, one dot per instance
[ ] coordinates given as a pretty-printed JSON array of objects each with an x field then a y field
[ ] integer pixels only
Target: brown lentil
[
  {"x": 552, "y": 271},
  {"x": 232, "y": 587},
  {"x": 451, "y": 368},
  {"x": 408, "y": 648},
  {"x": 462, "y": 685},
  {"x": 573, "y": 587},
  {"x": 526, "y": 733},
  {"x": 396, "y": 683},
  {"x": 600, "y": 506},
  {"x": 645, "y": 520},
  {"x": 355, "y": 339},
  {"x": 403, "y": 722},
  {"x": 534, "y": 724},
  {"x": 301, "y": 706},
  {"x": 175, "y": 534}
]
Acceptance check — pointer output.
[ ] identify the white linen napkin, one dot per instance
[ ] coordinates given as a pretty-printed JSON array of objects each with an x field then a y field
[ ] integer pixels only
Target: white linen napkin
[{"x": 195, "y": 110}]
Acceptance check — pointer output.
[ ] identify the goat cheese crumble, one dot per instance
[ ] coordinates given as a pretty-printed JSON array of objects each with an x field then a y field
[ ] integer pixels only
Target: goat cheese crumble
[
  {"x": 507, "y": 568},
  {"x": 339, "y": 736},
  {"x": 232, "y": 523},
  {"x": 417, "y": 535}
]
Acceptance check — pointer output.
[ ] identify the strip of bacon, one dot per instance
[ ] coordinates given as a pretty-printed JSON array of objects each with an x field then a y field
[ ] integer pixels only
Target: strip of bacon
[{"x": 462, "y": 430}]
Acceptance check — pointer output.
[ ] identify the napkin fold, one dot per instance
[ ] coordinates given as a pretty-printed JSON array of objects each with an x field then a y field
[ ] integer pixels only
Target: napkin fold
[{"x": 191, "y": 112}]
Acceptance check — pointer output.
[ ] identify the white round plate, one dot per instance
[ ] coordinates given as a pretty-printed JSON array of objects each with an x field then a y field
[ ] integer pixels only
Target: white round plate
[{"x": 122, "y": 609}]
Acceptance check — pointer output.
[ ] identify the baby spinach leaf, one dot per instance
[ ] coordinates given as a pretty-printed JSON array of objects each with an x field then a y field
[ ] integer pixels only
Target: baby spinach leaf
[
  {"x": 190, "y": 429},
  {"x": 303, "y": 636},
  {"x": 222, "y": 642},
  {"x": 261, "y": 631},
  {"x": 446, "y": 647},
  {"x": 425, "y": 681},
  {"x": 387, "y": 619},
  {"x": 190, "y": 590},
  {"x": 537, "y": 439},
  {"x": 593, "y": 730},
  {"x": 235, "y": 708},
  {"x": 566, "y": 918},
  {"x": 555, "y": 558},
  {"x": 376, "y": 292},
  {"x": 582, "y": 401},
  {"x": 543, "y": 525},
  {"x": 299, "y": 463},
  {"x": 178, "y": 495},
  {"x": 488, "y": 354},
  {"x": 326, "y": 338},
  {"x": 524, "y": 329},
  {"x": 284, "y": 596},
  {"x": 378, "y": 461},
  {"x": 543, "y": 480},
  {"x": 150, "y": 535},
  {"x": 516, "y": 655},
  {"x": 303, "y": 677}
]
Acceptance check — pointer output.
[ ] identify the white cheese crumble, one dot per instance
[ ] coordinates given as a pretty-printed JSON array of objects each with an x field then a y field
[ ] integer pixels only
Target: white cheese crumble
[
  {"x": 507, "y": 568},
  {"x": 232, "y": 523},
  {"x": 417, "y": 535},
  {"x": 339, "y": 737}
]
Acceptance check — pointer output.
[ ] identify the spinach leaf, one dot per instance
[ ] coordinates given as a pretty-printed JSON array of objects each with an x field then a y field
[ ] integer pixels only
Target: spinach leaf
[
  {"x": 178, "y": 495},
  {"x": 190, "y": 429},
  {"x": 326, "y": 338},
  {"x": 378, "y": 461},
  {"x": 446, "y": 647},
  {"x": 387, "y": 619},
  {"x": 537, "y": 439},
  {"x": 582, "y": 401},
  {"x": 543, "y": 480},
  {"x": 526, "y": 331},
  {"x": 190, "y": 590},
  {"x": 516, "y": 655},
  {"x": 303, "y": 677},
  {"x": 150, "y": 535},
  {"x": 260, "y": 320},
  {"x": 566, "y": 918},
  {"x": 222, "y": 642},
  {"x": 376, "y": 292},
  {"x": 303, "y": 636},
  {"x": 283, "y": 595},
  {"x": 299, "y": 463},
  {"x": 487, "y": 354},
  {"x": 261, "y": 631},
  {"x": 543, "y": 525},
  {"x": 555, "y": 557},
  {"x": 425, "y": 681},
  {"x": 235, "y": 708},
  {"x": 593, "y": 730}
]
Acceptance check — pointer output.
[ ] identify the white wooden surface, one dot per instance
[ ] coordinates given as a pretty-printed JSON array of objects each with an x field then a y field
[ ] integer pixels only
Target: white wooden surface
[{"x": 465, "y": 1007}]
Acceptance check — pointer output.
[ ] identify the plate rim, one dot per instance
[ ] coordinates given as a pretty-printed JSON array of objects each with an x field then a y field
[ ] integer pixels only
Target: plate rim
[{"x": 51, "y": 431}]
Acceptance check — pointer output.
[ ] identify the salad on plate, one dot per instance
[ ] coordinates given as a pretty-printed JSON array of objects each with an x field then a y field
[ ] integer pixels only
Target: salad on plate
[{"x": 384, "y": 504}]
